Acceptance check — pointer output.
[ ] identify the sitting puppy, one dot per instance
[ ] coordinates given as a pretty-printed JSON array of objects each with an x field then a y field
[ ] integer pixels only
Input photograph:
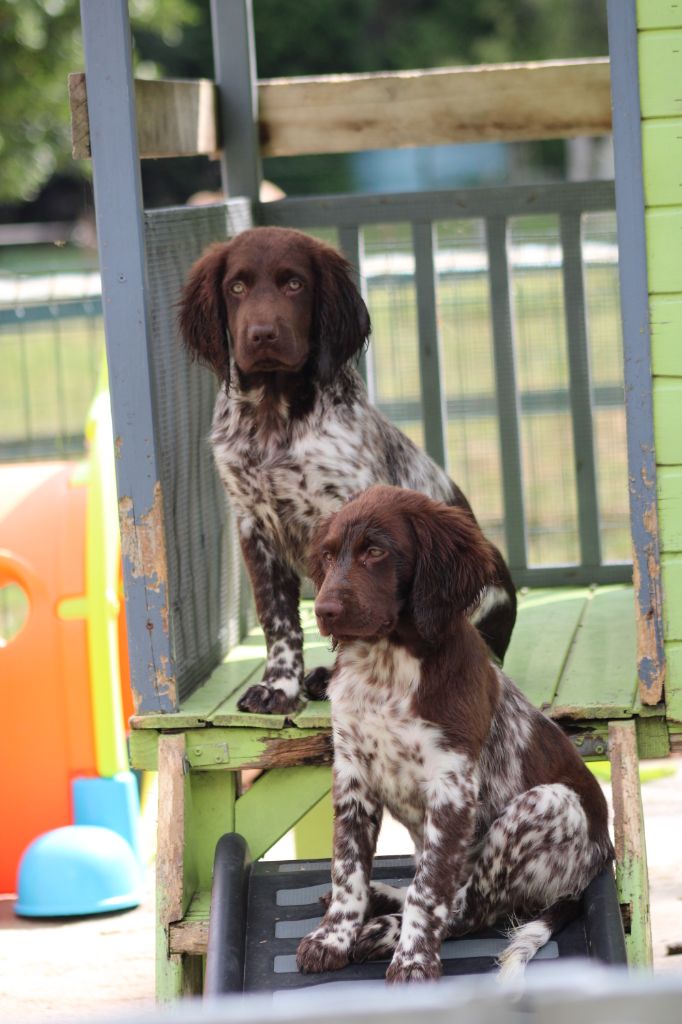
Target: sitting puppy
[
  {"x": 276, "y": 315},
  {"x": 505, "y": 817}
]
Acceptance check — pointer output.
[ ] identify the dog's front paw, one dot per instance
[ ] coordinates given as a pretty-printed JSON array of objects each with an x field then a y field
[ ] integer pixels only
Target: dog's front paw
[
  {"x": 267, "y": 700},
  {"x": 316, "y": 682},
  {"x": 419, "y": 967},
  {"x": 320, "y": 951}
]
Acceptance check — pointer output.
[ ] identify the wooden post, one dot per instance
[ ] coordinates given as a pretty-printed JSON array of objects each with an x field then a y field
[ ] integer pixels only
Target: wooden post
[{"x": 632, "y": 878}]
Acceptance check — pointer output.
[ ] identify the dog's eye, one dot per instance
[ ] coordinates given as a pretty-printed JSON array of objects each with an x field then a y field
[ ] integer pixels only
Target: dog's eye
[
  {"x": 327, "y": 557},
  {"x": 375, "y": 552},
  {"x": 237, "y": 287},
  {"x": 294, "y": 284}
]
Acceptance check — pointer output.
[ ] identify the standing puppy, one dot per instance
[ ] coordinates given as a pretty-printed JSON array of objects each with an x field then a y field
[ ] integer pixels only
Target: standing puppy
[
  {"x": 276, "y": 314},
  {"x": 505, "y": 817}
]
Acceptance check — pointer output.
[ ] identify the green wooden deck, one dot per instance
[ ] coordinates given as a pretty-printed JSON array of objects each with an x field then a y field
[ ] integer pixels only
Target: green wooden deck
[{"x": 572, "y": 652}]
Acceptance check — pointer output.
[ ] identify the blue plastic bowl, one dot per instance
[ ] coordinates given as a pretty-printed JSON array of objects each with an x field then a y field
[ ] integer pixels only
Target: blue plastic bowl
[{"x": 79, "y": 869}]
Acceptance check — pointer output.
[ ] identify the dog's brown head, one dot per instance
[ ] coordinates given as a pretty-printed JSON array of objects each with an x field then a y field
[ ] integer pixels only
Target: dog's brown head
[
  {"x": 394, "y": 557},
  {"x": 276, "y": 301}
]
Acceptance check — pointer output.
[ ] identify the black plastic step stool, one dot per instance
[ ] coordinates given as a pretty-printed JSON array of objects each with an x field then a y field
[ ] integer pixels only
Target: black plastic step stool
[{"x": 259, "y": 912}]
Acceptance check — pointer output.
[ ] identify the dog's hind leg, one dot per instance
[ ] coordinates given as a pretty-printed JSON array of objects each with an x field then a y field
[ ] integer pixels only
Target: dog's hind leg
[{"x": 533, "y": 864}]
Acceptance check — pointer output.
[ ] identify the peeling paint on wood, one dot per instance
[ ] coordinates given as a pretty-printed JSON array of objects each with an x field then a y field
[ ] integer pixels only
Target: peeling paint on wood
[
  {"x": 649, "y": 614},
  {"x": 142, "y": 541}
]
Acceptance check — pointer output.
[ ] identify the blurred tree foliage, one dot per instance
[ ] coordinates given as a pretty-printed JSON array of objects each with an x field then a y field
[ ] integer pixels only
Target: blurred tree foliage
[{"x": 40, "y": 44}]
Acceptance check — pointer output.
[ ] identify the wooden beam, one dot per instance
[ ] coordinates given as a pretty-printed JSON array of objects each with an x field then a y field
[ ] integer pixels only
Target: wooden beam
[
  {"x": 387, "y": 110},
  {"x": 506, "y": 102},
  {"x": 174, "y": 117}
]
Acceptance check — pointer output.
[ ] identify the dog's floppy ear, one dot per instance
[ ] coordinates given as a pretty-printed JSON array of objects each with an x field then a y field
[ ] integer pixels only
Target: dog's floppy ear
[
  {"x": 454, "y": 563},
  {"x": 341, "y": 324},
  {"x": 202, "y": 315}
]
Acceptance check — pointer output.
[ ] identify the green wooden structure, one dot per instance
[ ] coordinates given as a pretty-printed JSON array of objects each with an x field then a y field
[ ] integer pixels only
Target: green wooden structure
[{"x": 603, "y": 659}]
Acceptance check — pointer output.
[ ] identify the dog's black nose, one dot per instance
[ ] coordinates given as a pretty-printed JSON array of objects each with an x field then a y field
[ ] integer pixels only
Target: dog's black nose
[
  {"x": 260, "y": 334},
  {"x": 328, "y": 610}
]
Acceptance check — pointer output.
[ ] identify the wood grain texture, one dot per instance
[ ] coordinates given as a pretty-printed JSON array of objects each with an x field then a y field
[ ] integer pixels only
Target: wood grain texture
[
  {"x": 631, "y": 863},
  {"x": 344, "y": 113},
  {"x": 174, "y": 117},
  {"x": 170, "y": 890}
]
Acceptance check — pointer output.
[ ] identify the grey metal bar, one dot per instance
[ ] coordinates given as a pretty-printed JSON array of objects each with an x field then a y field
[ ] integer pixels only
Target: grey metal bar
[
  {"x": 580, "y": 390},
  {"x": 634, "y": 300},
  {"x": 507, "y": 392},
  {"x": 118, "y": 202},
  {"x": 351, "y": 243},
  {"x": 234, "y": 58},
  {"x": 513, "y": 201},
  {"x": 431, "y": 377}
]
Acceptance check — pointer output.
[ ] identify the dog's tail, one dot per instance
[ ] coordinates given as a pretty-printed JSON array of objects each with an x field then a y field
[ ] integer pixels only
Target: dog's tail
[{"x": 527, "y": 939}]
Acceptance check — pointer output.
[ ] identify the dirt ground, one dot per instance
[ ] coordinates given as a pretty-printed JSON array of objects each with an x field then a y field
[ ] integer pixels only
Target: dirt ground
[{"x": 87, "y": 968}]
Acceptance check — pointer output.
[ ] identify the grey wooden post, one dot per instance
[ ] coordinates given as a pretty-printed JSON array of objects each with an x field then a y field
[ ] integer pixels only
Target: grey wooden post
[
  {"x": 634, "y": 300},
  {"x": 234, "y": 57},
  {"x": 508, "y": 404},
  {"x": 580, "y": 387},
  {"x": 434, "y": 413},
  {"x": 118, "y": 204}
]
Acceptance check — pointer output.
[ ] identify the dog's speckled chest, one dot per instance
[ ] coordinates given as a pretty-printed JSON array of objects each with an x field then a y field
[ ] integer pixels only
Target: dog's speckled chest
[{"x": 399, "y": 756}]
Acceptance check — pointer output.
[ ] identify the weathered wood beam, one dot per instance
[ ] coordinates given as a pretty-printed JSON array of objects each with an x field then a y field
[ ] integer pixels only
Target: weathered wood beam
[
  {"x": 174, "y": 117},
  {"x": 507, "y": 102},
  {"x": 387, "y": 110}
]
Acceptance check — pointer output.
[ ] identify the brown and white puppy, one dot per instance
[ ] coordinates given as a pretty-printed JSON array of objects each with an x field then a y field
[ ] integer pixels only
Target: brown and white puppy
[
  {"x": 505, "y": 818},
  {"x": 276, "y": 315}
]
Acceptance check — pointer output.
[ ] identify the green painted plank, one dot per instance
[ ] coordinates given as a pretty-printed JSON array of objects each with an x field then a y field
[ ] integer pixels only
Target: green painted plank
[
  {"x": 237, "y": 747},
  {"x": 243, "y": 662},
  {"x": 315, "y": 652},
  {"x": 317, "y": 714},
  {"x": 232, "y": 748},
  {"x": 652, "y": 737},
  {"x": 660, "y": 73},
  {"x": 276, "y": 802},
  {"x": 669, "y": 490},
  {"x": 600, "y": 677},
  {"x": 673, "y": 681},
  {"x": 200, "y": 907},
  {"x": 671, "y": 570},
  {"x": 664, "y": 249},
  {"x": 314, "y": 833},
  {"x": 143, "y": 749},
  {"x": 665, "y": 315},
  {"x": 211, "y": 813},
  {"x": 659, "y": 14},
  {"x": 668, "y": 418},
  {"x": 545, "y": 626},
  {"x": 662, "y": 161}
]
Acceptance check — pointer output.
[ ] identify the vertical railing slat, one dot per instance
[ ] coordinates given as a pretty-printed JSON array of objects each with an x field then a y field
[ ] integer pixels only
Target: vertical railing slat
[
  {"x": 580, "y": 390},
  {"x": 508, "y": 404},
  {"x": 351, "y": 244},
  {"x": 433, "y": 400}
]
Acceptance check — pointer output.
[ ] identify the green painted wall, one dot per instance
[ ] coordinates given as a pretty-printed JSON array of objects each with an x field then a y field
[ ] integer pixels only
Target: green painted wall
[{"x": 660, "y": 74}]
